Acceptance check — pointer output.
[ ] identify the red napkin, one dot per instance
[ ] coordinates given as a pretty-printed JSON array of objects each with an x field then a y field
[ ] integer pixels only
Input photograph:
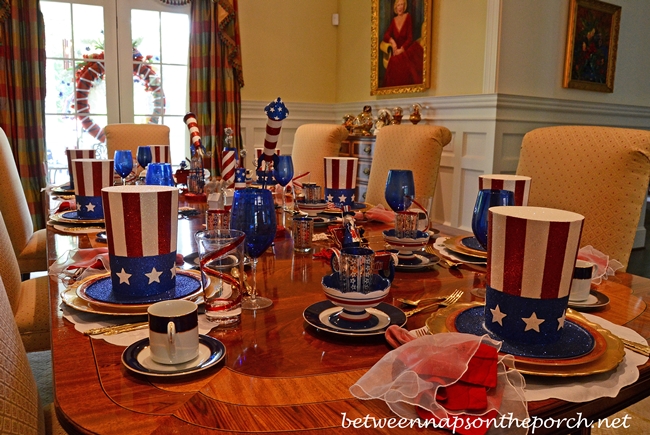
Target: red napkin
[
  {"x": 396, "y": 336},
  {"x": 67, "y": 205},
  {"x": 324, "y": 254}
]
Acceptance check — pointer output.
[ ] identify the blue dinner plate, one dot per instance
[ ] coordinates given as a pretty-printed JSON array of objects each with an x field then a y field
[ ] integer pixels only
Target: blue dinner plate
[
  {"x": 574, "y": 342},
  {"x": 137, "y": 358},
  {"x": 472, "y": 243}
]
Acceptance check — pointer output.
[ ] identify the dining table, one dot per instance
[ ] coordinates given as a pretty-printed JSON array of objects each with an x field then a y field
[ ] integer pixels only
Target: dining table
[{"x": 280, "y": 373}]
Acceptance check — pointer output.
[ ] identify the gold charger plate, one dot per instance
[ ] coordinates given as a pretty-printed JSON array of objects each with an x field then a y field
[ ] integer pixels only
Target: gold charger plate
[
  {"x": 456, "y": 244},
  {"x": 336, "y": 210},
  {"x": 87, "y": 282},
  {"x": 610, "y": 359},
  {"x": 58, "y": 217}
]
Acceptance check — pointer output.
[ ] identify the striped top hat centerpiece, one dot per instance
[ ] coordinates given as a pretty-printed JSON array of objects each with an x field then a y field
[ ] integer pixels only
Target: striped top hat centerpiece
[
  {"x": 340, "y": 180},
  {"x": 518, "y": 184},
  {"x": 90, "y": 176},
  {"x": 532, "y": 254},
  {"x": 141, "y": 227},
  {"x": 160, "y": 154},
  {"x": 74, "y": 154}
]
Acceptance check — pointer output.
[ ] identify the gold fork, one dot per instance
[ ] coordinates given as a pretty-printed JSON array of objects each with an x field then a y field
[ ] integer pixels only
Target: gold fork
[
  {"x": 417, "y": 302},
  {"x": 451, "y": 299},
  {"x": 431, "y": 250},
  {"x": 642, "y": 349}
]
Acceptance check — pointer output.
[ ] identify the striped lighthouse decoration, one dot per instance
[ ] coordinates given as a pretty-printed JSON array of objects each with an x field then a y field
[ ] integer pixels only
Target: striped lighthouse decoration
[
  {"x": 90, "y": 177},
  {"x": 229, "y": 160},
  {"x": 141, "y": 227},
  {"x": 276, "y": 113},
  {"x": 518, "y": 184},
  {"x": 532, "y": 254}
]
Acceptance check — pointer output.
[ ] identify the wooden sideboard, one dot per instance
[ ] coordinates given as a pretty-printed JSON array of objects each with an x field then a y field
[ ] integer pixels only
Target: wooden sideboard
[{"x": 361, "y": 147}]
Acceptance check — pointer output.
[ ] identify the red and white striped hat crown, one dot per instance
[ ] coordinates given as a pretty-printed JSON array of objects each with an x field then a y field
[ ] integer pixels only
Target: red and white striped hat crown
[
  {"x": 340, "y": 172},
  {"x": 518, "y": 184},
  {"x": 73, "y": 154},
  {"x": 160, "y": 154},
  {"x": 91, "y": 176}
]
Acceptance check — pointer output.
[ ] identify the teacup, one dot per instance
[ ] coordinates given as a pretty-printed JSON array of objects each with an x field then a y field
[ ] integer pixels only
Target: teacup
[
  {"x": 581, "y": 283},
  {"x": 354, "y": 314},
  {"x": 173, "y": 331},
  {"x": 355, "y": 266}
]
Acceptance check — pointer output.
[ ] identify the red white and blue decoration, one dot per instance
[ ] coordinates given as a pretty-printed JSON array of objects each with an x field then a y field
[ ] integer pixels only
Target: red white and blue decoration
[
  {"x": 340, "y": 180},
  {"x": 276, "y": 113},
  {"x": 518, "y": 184},
  {"x": 160, "y": 154},
  {"x": 141, "y": 227},
  {"x": 74, "y": 154},
  {"x": 532, "y": 253},
  {"x": 264, "y": 176},
  {"x": 240, "y": 178},
  {"x": 90, "y": 177}
]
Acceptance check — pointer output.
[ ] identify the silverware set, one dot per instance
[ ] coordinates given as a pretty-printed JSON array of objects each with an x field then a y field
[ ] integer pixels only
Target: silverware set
[
  {"x": 443, "y": 261},
  {"x": 451, "y": 299},
  {"x": 116, "y": 329}
]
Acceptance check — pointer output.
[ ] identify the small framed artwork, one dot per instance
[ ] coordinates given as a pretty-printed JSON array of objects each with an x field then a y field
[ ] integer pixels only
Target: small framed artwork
[
  {"x": 400, "y": 51},
  {"x": 592, "y": 40}
]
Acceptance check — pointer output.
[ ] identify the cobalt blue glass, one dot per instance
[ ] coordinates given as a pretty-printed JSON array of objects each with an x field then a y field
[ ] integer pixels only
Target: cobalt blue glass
[
  {"x": 144, "y": 155},
  {"x": 283, "y": 173},
  {"x": 123, "y": 163},
  {"x": 400, "y": 189},
  {"x": 159, "y": 174},
  {"x": 488, "y": 198},
  {"x": 253, "y": 212}
]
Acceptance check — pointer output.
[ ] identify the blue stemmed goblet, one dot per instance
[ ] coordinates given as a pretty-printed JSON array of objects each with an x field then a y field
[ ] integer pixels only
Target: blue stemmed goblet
[
  {"x": 400, "y": 189},
  {"x": 144, "y": 156},
  {"x": 253, "y": 212},
  {"x": 283, "y": 173},
  {"x": 488, "y": 198},
  {"x": 123, "y": 163}
]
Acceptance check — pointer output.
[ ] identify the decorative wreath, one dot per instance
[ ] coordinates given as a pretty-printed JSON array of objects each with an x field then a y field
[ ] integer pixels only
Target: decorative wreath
[{"x": 90, "y": 72}]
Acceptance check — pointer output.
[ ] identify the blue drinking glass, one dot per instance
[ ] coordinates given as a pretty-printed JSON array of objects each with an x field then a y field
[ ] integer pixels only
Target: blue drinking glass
[
  {"x": 144, "y": 156},
  {"x": 253, "y": 212},
  {"x": 400, "y": 189},
  {"x": 123, "y": 163},
  {"x": 488, "y": 198},
  {"x": 159, "y": 174},
  {"x": 283, "y": 173}
]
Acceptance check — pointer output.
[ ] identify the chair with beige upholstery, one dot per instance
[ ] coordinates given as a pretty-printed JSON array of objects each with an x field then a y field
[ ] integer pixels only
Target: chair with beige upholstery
[
  {"x": 601, "y": 173},
  {"x": 28, "y": 245},
  {"x": 21, "y": 410},
  {"x": 311, "y": 144},
  {"x": 131, "y": 136},
  {"x": 29, "y": 299},
  {"x": 414, "y": 147}
]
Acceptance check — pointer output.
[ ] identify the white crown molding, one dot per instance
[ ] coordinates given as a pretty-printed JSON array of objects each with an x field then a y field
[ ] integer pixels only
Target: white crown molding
[{"x": 492, "y": 39}]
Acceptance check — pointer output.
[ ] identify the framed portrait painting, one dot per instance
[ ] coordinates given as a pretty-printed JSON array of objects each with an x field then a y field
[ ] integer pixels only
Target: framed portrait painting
[
  {"x": 592, "y": 40},
  {"x": 400, "y": 51}
]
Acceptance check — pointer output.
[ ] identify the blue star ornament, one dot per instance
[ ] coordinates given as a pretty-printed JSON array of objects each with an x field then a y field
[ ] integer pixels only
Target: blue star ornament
[
  {"x": 276, "y": 110},
  {"x": 240, "y": 176}
]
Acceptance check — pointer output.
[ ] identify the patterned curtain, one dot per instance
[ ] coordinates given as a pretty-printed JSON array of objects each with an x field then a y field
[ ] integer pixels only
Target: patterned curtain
[
  {"x": 216, "y": 74},
  {"x": 22, "y": 95}
]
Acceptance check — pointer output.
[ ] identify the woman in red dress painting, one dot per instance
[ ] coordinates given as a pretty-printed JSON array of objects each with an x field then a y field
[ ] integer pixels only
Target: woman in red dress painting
[{"x": 405, "y": 64}]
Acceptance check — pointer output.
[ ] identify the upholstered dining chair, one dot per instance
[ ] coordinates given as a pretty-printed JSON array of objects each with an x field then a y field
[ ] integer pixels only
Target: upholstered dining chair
[
  {"x": 601, "y": 173},
  {"x": 131, "y": 136},
  {"x": 311, "y": 144},
  {"x": 414, "y": 147},
  {"x": 28, "y": 245},
  {"x": 29, "y": 299},
  {"x": 21, "y": 409}
]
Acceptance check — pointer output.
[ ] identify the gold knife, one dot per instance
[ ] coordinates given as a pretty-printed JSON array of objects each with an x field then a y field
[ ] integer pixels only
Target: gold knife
[{"x": 116, "y": 329}]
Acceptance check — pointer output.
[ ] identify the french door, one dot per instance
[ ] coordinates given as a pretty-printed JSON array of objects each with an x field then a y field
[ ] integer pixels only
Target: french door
[{"x": 113, "y": 61}]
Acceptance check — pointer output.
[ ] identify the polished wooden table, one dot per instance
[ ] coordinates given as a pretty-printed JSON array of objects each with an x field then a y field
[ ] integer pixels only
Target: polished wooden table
[{"x": 280, "y": 374}]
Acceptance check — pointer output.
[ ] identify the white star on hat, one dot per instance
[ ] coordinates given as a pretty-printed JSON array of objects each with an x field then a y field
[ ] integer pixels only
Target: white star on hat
[
  {"x": 90, "y": 207},
  {"x": 173, "y": 270},
  {"x": 78, "y": 206},
  {"x": 532, "y": 322},
  {"x": 154, "y": 275},
  {"x": 342, "y": 198},
  {"x": 124, "y": 277},
  {"x": 497, "y": 315},
  {"x": 330, "y": 198},
  {"x": 561, "y": 320},
  {"x": 352, "y": 198}
]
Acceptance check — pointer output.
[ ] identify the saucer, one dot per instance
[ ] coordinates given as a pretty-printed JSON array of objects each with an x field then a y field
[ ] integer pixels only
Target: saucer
[
  {"x": 420, "y": 261},
  {"x": 71, "y": 217},
  {"x": 98, "y": 290},
  {"x": 318, "y": 315},
  {"x": 137, "y": 358},
  {"x": 101, "y": 237},
  {"x": 595, "y": 301}
]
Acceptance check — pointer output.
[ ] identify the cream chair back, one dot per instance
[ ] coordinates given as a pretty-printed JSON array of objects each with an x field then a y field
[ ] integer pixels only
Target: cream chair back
[
  {"x": 131, "y": 136},
  {"x": 600, "y": 172},
  {"x": 311, "y": 144},
  {"x": 9, "y": 270},
  {"x": 414, "y": 147},
  {"x": 13, "y": 204},
  {"x": 20, "y": 409}
]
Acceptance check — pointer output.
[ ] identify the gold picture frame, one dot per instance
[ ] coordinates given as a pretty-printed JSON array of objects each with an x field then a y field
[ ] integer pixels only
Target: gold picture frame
[
  {"x": 592, "y": 41},
  {"x": 410, "y": 69}
]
